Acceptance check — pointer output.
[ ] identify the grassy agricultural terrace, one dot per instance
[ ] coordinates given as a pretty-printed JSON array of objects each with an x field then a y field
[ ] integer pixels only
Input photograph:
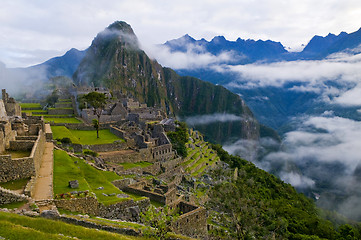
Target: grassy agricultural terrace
[
  {"x": 36, "y": 109},
  {"x": 67, "y": 168},
  {"x": 14, "y": 227},
  {"x": 84, "y": 137}
]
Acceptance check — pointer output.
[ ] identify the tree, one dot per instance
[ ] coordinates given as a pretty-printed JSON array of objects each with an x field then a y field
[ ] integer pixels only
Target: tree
[
  {"x": 96, "y": 126},
  {"x": 179, "y": 138},
  {"x": 159, "y": 221},
  {"x": 97, "y": 101}
]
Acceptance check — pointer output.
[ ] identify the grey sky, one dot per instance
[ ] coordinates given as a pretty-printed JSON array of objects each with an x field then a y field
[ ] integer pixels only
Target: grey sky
[{"x": 34, "y": 31}]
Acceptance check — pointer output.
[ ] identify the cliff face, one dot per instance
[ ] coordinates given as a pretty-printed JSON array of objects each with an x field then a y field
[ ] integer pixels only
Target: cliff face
[{"x": 114, "y": 60}]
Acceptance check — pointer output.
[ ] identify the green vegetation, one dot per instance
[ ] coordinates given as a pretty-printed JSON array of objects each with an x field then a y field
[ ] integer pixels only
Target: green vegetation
[
  {"x": 15, "y": 184},
  {"x": 68, "y": 168},
  {"x": 259, "y": 205},
  {"x": 84, "y": 137},
  {"x": 90, "y": 152},
  {"x": 13, "y": 227},
  {"x": 97, "y": 101},
  {"x": 30, "y": 105},
  {"x": 159, "y": 222},
  {"x": 62, "y": 120},
  {"x": 52, "y": 98},
  {"x": 13, "y": 205},
  {"x": 129, "y": 165},
  {"x": 179, "y": 138}
]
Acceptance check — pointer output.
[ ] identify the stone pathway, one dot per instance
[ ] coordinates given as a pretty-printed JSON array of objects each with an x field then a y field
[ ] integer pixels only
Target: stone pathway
[{"x": 44, "y": 180}]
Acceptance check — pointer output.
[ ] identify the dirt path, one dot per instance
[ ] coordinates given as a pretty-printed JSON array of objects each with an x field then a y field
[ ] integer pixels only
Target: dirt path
[{"x": 44, "y": 179}]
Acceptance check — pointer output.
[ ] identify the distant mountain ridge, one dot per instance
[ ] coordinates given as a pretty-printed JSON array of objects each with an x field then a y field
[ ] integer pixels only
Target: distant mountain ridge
[
  {"x": 245, "y": 51},
  {"x": 250, "y": 51},
  {"x": 63, "y": 65}
]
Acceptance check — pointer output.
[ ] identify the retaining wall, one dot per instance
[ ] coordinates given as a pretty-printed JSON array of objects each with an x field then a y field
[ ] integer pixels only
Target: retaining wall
[
  {"x": 7, "y": 196},
  {"x": 19, "y": 168},
  {"x": 60, "y": 111},
  {"x": 193, "y": 221}
]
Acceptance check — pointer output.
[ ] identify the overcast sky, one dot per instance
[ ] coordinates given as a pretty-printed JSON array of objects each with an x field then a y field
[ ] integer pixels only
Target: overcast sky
[{"x": 34, "y": 31}]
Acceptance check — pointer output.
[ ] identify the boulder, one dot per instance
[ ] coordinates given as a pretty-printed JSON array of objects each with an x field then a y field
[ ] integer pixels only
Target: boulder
[{"x": 74, "y": 184}]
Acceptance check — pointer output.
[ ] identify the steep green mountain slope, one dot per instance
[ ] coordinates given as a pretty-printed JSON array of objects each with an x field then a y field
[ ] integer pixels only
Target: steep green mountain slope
[{"x": 114, "y": 60}]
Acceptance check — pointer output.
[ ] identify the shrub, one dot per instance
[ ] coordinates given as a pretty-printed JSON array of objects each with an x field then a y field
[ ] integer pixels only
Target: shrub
[
  {"x": 90, "y": 152},
  {"x": 65, "y": 140}
]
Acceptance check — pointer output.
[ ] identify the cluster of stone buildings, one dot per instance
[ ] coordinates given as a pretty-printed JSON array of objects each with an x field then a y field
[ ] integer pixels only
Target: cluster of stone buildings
[
  {"x": 144, "y": 131},
  {"x": 120, "y": 108},
  {"x": 25, "y": 134}
]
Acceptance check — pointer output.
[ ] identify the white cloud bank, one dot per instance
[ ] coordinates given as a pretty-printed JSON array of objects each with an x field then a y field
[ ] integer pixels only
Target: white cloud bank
[{"x": 212, "y": 118}]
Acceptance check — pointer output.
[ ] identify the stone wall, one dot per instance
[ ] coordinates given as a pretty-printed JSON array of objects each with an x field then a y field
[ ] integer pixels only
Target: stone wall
[
  {"x": 30, "y": 187},
  {"x": 88, "y": 117},
  {"x": 193, "y": 221},
  {"x": 30, "y": 138},
  {"x": 86, "y": 205},
  {"x": 19, "y": 168},
  {"x": 123, "y": 183},
  {"x": 12, "y": 169},
  {"x": 117, "y": 132},
  {"x": 152, "y": 169},
  {"x": 128, "y": 156},
  {"x": 166, "y": 198},
  {"x": 171, "y": 164},
  {"x": 21, "y": 145},
  {"x": 88, "y": 224},
  {"x": 171, "y": 174},
  {"x": 162, "y": 152},
  {"x": 60, "y": 111},
  {"x": 151, "y": 195},
  {"x": 117, "y": 146},
  {"x": 38, "y": 150},
  {"x": 127, "y": 210},
  {"x": 6, "y": 135},
  {"x": 7, "y": 196}
]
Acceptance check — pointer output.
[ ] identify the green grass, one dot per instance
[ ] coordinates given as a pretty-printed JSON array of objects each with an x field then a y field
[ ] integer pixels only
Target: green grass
[
  {"x": 129, "y": 165},
  {"x": 85, "y": 137},
  {"x": 62, "y": 120},
  {"x": 16, "y": 184},
  {"x": 13, "y": 205},
  {"x": 37, "y": 112},
  {"x": 62, "y": 132},
  {"x": 66, "y": 100},
  {"x": 13, "y": 226},
  {"x": 61, "y": 108},
  {"x": 89, "y": 178},
  {"x": 30, "y": 105}
]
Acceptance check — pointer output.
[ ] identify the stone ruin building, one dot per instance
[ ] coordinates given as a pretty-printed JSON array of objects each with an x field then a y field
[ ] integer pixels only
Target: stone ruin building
[
  {"x": 20, "y": 133},
  {"x": 121, "y": 108}
]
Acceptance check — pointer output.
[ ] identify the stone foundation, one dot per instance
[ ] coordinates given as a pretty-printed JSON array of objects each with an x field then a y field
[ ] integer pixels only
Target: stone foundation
[
  {"x": 7, "y": 196},
  {"x": 192, "y": 221}
]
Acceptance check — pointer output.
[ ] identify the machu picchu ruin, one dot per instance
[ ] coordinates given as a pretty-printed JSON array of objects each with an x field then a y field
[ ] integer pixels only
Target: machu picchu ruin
[{"x": 133, "y": 159}]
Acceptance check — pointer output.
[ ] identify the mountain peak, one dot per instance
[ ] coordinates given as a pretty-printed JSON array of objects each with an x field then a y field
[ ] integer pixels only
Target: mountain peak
[
  {"x": 219, "y": 39},
  {"x": 120, "y": 31}
]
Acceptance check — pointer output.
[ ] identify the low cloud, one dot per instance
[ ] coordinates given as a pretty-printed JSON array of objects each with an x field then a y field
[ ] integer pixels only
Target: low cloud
[
  {"x": 326, "y": 150},
  {"x": 297, "y": 180},
  {"x": 23, "y": 81},
  {"x": 195, "y": 57},
  {"x": 212, "y": 118}
]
